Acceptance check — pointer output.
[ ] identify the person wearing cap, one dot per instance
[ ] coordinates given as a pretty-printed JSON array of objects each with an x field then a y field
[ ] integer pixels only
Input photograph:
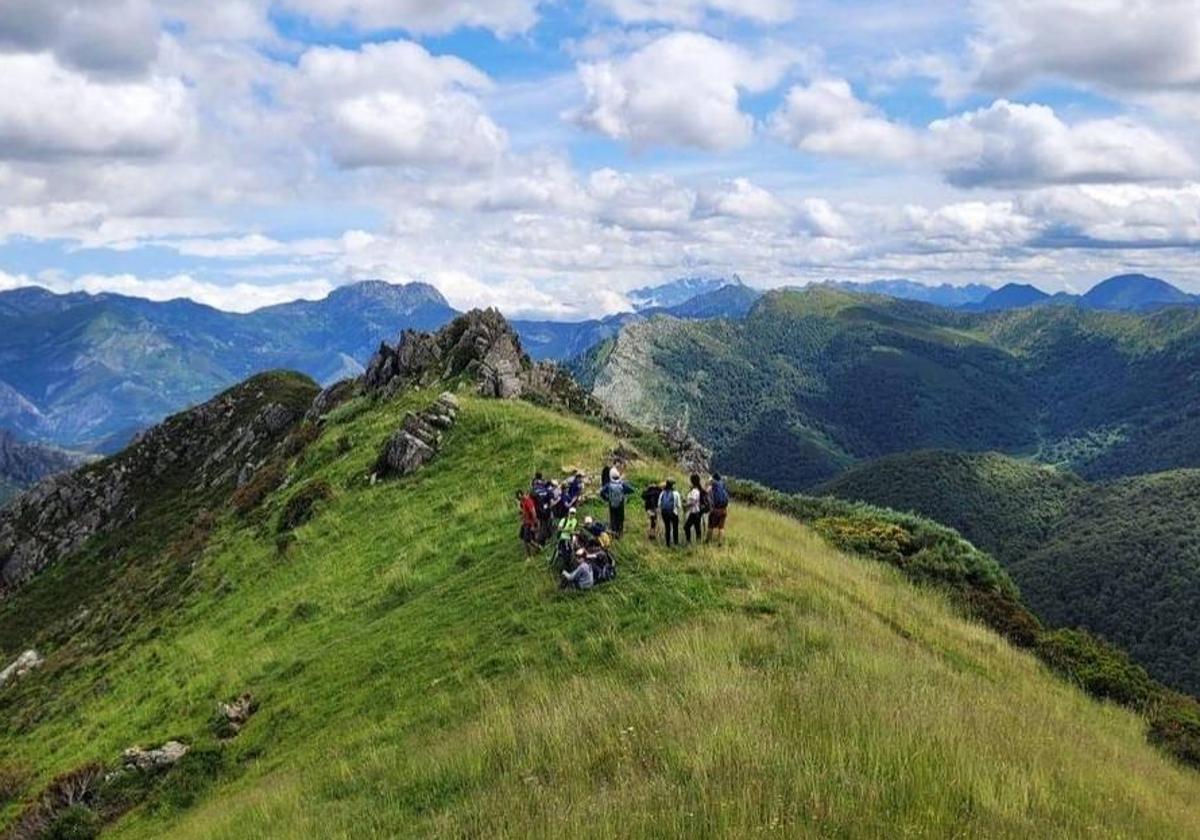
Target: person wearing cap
[
  {"x": 615, "y": 493},
  {"x": 595, "y": 532},
  {"x": 567, "y": 526},
  {"x": 582, "y": 577}
]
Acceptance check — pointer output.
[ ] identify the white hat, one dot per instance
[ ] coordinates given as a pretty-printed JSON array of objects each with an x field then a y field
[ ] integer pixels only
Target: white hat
[
  {"x": 587, "y": 520},
  {"x": 572, "y": 510}
]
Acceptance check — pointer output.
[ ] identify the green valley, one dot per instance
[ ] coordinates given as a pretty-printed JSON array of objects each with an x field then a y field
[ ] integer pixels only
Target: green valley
[{"x": 415, "y": 676}]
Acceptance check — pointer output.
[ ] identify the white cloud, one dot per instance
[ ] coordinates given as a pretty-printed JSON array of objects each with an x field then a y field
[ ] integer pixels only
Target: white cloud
[
  {"x": 683, "y": 89},
  {"x": 238, "y": 297},
  {"x": 394, "y": 104},
  {"x": 106, "y": 37},
  {"x": 1009, "y": 144},
  {"x": 739, "y": 199},
  {"x": 48, "y": 111},
  {"x": 826, "y": 117},
  {"x": 692, "y": 12},
  {"x": 1006, "y": 144},
  {"x": 1121, "y": 44},
  {"x": 1131, "y": 214},
  {"x": 653, "y": 202},
  {"x": 505, "y": 17}
]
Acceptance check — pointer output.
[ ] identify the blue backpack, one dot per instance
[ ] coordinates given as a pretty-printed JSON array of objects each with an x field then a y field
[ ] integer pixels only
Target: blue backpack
[
  {"x": 720, "y": 496},
  {"x": 667, "y": 501}
]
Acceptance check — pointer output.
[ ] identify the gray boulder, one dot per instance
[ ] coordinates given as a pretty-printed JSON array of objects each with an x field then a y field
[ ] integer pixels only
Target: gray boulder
[{"x": 20, "y": 666}]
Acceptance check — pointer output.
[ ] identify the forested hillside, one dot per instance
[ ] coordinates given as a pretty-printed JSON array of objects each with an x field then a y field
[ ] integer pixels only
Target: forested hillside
[
  {"x": 1121, "y": 559},
  {"x": 814, "y": 380},
  {"x": 815, "y": 677}
]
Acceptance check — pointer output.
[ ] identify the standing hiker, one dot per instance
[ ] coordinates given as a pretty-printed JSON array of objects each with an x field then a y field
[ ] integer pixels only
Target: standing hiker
[
  {"x": 695, "y": 510},
  {"x": 615, "y": 493},
  {"x": 718, "y": 494},
  {"x": 669, "y": 503},
  {"x": 650, "y": 497},
  {"x": 529, "y": 522}
]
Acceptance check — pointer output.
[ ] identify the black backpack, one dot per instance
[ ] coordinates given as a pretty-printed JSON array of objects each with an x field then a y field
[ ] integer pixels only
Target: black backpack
[{"x": 705, "y": 504}]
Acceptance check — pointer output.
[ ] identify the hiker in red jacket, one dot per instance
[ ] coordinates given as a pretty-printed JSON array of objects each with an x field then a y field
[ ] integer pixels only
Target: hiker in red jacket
[{"x": 529, "y": 522}]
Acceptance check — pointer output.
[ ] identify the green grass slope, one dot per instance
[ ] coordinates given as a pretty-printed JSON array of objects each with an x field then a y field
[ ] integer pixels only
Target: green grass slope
[
  {"x": 1121, "y": 559},
  {"x": 418, "y": 677}
]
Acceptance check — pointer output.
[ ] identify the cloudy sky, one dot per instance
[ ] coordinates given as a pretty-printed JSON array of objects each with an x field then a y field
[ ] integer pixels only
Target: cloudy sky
[{"x": 549, "y": 156}]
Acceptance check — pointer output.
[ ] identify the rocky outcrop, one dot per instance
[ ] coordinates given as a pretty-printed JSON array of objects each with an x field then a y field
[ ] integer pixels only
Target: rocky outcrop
[
  {"x": 25, "y": 464},
  {"x": 418, "y": 440},
  {"x": 136, "y": 758},
  {"x": 480, "y": 345},
  {"x": 198, "y": 454},
  {"x": 686, "y": 450},
  {"x": 232, "y": 717},
  {"x": 21, "y": 666}
]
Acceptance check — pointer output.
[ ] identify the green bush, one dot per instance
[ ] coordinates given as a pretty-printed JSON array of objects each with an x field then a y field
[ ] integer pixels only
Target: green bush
[
  {"x": 301, "y": 507},
  {"x": 75, "y": 823},
  {"x": 1175, "y": 728},
  {"x": 264, "y": 482},
  {"x": 1099, "y": 668}
]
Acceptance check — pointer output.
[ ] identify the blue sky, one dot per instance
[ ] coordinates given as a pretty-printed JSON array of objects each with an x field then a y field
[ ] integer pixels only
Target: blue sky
[{"x": 547, "y": 157}]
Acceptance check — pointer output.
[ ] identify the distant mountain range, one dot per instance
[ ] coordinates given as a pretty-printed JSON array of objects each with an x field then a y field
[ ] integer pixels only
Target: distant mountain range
[
  {"x": 943, "y": 295},
  {"x": 1124, "y": 293},
  {"x": 88, "y": 371},
  {"x": 812, "y": 381}
]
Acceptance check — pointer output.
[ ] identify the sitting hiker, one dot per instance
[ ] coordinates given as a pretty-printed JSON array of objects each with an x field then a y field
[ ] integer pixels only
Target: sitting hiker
[
  {"x": 529, "y": 522},
  {"x": 603, "y": 567},
  {"x": 596, "y": 533},
  {"x": 567, "y": 526},
  {"x": 582, "y": 577},
  {"x": 670, "y": 503},
  {"x": 650, "y": 498},
  {"x": 718, "y": 494},
  {"x": 615, "y": 493}
]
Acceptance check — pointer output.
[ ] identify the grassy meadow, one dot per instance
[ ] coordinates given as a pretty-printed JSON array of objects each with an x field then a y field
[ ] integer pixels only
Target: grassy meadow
[{"x": 419, "y": 677}]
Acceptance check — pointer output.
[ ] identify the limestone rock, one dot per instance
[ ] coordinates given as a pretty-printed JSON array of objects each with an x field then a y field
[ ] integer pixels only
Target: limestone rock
[
  {"x": 687, "y": 451},
  {"x": 417, "y": 441},
  {"x": 20, "y": 666},
  {"x": 233, "y": 716},
  {"x": 136, "y": 758}
]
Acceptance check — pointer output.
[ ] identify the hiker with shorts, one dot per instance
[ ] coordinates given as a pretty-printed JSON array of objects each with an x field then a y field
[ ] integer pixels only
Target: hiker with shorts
[
  {"x": 669, "y": 504},
  {"x": 718, "y": 494},
  {"x": 696, "y": 500},
  {"x": 650, "y": 498},
  {"x": 529, "y": 522},
  {"x": 615, "y": 493}
]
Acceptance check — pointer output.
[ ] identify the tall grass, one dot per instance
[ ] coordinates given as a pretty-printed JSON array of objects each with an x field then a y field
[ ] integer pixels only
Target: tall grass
[{"x": 417, "y": 676}]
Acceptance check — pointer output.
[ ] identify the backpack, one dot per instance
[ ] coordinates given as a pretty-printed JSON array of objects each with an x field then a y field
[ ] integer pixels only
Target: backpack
[
  {"x": 616, "y": 494},
  {"x": 667, "y": 501},
  {"x": 720, "y": 496},
  {"x": 705, "y": 504},
  {"x": 605, "y": 540}
]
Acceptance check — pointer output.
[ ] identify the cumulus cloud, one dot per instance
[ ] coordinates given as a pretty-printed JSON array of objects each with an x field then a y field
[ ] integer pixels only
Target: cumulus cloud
[
  {"x": 691, "y": 12},
  {"x": 394, "y": 104},
  {"x": 48, "y": 111},
  {"x": 1008, "y": 144},
  {"x": 504, "y": 17},
  {"x": 117, "y": 37},
  {"x": 1114, "y": 43},
  {"x": 683, "y": 89},
  {"x": 826, "y": 117},
  {"x": 738, "y": 198},
  {"x": 1125, "y": 214}
]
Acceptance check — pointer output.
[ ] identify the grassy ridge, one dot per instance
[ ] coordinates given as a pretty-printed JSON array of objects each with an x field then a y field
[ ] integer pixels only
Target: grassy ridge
[
  {"x": 417, "y": 677},
  {"x": 1121, "y": 559}
]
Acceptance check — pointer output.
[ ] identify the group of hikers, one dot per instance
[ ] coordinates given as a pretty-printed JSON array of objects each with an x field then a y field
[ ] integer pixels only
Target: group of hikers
[{"x": 582, "y": 551}]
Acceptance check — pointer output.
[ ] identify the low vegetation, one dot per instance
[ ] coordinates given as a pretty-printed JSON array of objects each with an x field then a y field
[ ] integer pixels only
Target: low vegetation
[{"x": 415, "y": 675}]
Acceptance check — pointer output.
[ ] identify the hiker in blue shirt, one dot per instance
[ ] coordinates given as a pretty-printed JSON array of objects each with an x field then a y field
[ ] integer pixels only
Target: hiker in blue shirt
[
  {"x": 718, "y": 495},
  {"x": 615, "y": 493},
  {"x": 582, "y": 577}
]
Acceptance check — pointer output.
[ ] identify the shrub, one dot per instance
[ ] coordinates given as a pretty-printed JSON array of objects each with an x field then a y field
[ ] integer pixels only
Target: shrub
[
  {"x": 300, "y": 439},
  {"x": 75, "y": 823},
  {"x": 301, "y": 507},
  {"x": 1099, "y": 668},
  {"x": 879, "y": 540},
  {"x": 264, "y": 482},
  {"x": 1175, "y": 728}
]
